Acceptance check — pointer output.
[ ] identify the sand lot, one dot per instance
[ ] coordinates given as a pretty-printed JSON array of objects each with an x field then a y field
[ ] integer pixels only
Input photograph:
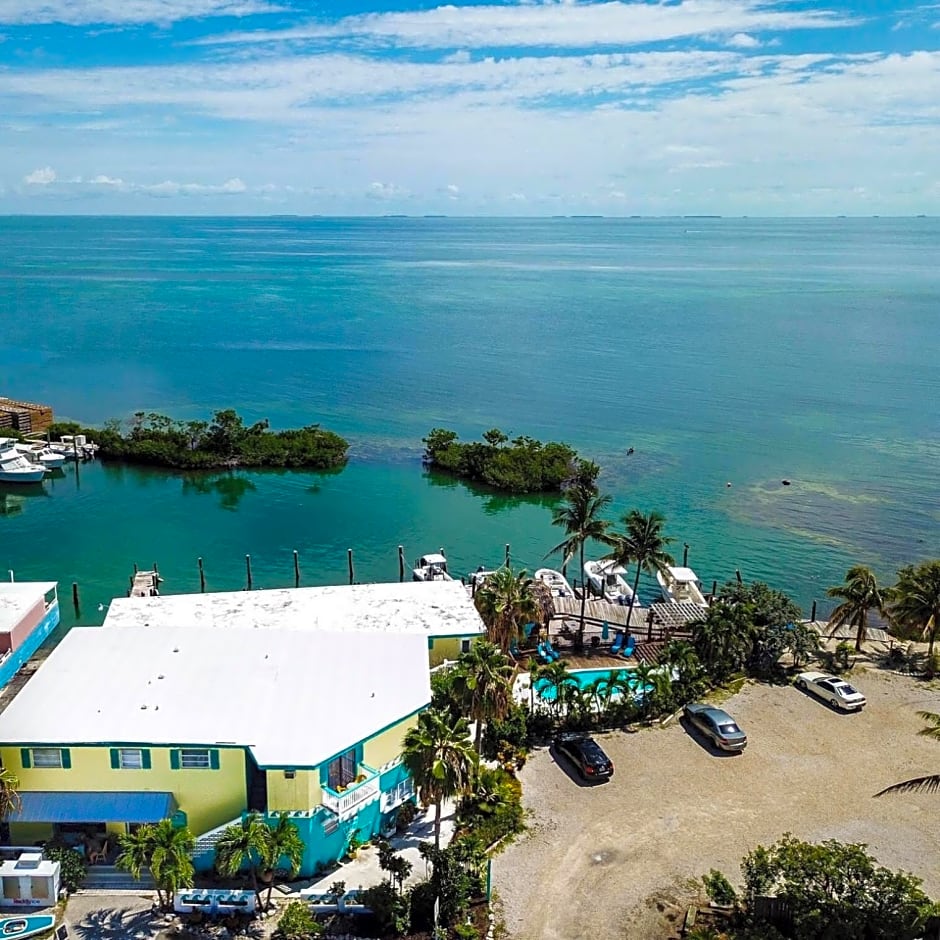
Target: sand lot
[{"x": 613, "y": 860}]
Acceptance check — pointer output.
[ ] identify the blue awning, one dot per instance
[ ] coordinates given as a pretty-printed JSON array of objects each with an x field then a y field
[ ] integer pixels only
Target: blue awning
[{"x": 130, "y": 806}]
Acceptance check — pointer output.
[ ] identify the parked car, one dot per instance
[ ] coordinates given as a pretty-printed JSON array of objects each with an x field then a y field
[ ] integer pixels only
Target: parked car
[
  {"x": 837, "y": 692},
  {"x": 586, "y": 754},
  {"x": 716, "y": 724}
]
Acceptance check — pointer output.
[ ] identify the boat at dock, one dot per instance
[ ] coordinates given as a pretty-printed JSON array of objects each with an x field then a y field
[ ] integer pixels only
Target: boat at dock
[
  {"x": 681, "y": 586},
  {"x": 476, "y": 579},
  {"x": 431, "y": 568},
  {"x": 27, "y": 926},
  {"x": 38, "y": 452},
  {"x": 16, "y": 468},
  {"x": 74, "y": 447},
  {"x": 606, "y": 579},
  {"x": 557, "y": 583}
]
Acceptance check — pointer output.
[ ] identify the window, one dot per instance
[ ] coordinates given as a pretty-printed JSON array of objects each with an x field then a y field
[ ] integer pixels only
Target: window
[
  {"x": 192, "y": 758},
  {"x": 342, "y": 770},
  {"x": 464, "y": 646},
  {"x": 290, "y": 774},
  {"x": 48, "y": 757}
]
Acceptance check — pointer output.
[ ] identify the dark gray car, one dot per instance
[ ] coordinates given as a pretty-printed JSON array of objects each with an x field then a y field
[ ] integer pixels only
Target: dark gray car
[{"x": 717, "y": 725}]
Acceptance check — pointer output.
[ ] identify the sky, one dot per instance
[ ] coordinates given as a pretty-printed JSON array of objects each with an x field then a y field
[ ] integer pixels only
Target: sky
[{"x": 373, "y": 107}]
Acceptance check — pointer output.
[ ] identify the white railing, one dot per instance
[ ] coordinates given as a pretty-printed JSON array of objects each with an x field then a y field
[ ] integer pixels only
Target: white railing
[
  {"x": 345, "y": 803},
  {"x": 397, "y": 795}
]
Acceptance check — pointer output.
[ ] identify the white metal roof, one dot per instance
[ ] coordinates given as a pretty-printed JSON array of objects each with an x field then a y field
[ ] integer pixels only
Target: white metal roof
[
  {"x": 682, "y": 574},
  {"x": 430, "y": 608},
  {"x": 16, "y": 599},
  {"x": 295, "y": 699}
]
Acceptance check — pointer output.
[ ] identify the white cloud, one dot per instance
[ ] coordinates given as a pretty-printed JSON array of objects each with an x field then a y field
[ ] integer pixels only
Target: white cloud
[
  {"x": 43, "y": 176},
  {"x": 87, "y": 12},
  {"x": 378, "y": 190},
  {"x": 559, "y": 25},
  {"x": 743, "y": 41}
]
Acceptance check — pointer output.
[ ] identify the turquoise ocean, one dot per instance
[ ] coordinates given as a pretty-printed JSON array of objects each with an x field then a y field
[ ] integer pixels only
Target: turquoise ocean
[{"x": 722, "y": 351}]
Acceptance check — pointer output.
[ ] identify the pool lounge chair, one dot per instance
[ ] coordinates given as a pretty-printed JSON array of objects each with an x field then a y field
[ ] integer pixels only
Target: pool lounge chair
[
  {"x": 543, "y": 653},
  {"x": 618, "y": 642},
  {"x": 552, "y": 652},
  {"x": 629, "y": 646}
]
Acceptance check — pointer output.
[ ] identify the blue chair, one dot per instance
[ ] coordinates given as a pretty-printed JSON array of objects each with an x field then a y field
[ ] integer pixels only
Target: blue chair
[
  {"x": 527, "y": 630},
  {"x": 552, "y": 652},
  {"x": 629, "y": 646},
  {"x": 618, "y": 642},
  {"x": 543, "y": 653},
  {"x": 513, "y": 648}
]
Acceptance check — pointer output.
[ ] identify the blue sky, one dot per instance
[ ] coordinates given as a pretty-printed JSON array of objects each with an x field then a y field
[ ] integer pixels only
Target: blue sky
[{"x": 756, "y": 107}]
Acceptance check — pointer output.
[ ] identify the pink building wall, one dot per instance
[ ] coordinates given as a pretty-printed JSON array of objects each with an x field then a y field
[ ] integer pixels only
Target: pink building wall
[{"x": 14, "y": 638}]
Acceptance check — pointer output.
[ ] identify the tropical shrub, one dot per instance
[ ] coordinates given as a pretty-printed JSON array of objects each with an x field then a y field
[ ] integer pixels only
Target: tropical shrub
[
  {"x": 405, "y": 815},
  {"x": 719, "y": 889},
  {"x": 523, "y": 465},
  {"x": 493, "y": 811},
  {"x": 390, "y": 909},
  {"x": 74, "y": 868},
  {"x": 509, "y": 732},
  {"x": 297, "y": 923}
]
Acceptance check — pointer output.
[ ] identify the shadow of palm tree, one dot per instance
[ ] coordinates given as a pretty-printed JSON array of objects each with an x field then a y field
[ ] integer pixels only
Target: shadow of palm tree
[{"x": 117, "y": 925}]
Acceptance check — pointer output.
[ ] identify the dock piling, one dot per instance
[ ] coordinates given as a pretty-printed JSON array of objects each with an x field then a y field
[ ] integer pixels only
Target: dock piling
[
  {"x": 737, "y": 574},
  {"x": 202, "y": 576},
  {"x": 401, "y": 562},
  {"x": 248, "y": 569},
  {"x": 685, "y": 555},
  {"x": 156, "y": 572},
  {"x": 75, "y": 598},
  {"x": 352, "y": 570},
  {"x": 135, "y": 567},
  {"x": 812, "y": 616},
  {"x": 296, "y": 569},
  {"x": 508, "y": 556}
]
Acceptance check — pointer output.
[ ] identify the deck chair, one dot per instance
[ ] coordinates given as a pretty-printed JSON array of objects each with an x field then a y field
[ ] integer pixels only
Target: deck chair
[
  {"x": 99, "y": 855},
  {"x": 618, "y": 642},
  {"x": 629, "y": 646},
  {"x": 552, "y": 652}
]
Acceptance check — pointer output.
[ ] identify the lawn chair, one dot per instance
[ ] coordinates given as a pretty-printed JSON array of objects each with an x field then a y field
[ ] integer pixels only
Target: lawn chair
[
  {"x": 543, "y": 653},
  {"x": 99, "y": 854},
  {"x": 629, "y": 647},
  {"x": 618, "y": 642},
  {"x": 552, "y": 652}
]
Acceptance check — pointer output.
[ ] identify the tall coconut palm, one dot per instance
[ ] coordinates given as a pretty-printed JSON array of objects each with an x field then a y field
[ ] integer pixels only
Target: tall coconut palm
[
  {"x": 506, "y": 602},
  {"x": 242, "y": 844},
  {"x": 557, "y": 676},
  {"x": 580, "y": 517},
  {"x": 440, "y": 758},
  {"x": 914, "y": 602},
  {"x": 643, "y": 542},
  {"x": 166, "y": 850},
  {"x": 930, "y": 783},
  {"x": 483, "y": 683},
  {"x": 9, "y": 794},
  {"x": 859, "y": 595},
  {"x": 283, "y": 842}
]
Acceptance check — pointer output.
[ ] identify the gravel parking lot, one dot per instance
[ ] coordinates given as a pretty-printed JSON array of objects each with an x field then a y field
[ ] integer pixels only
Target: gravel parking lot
[{"x": 614, "y": 860}]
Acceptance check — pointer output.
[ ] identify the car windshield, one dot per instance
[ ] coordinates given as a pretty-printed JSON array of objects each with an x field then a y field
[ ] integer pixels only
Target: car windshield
[{"x": 729, "y": 727}]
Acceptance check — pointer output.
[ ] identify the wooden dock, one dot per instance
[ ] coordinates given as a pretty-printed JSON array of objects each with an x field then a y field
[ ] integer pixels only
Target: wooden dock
[
  {"x": 145, "y": 584},
  {"x": 597, "y": 611}
]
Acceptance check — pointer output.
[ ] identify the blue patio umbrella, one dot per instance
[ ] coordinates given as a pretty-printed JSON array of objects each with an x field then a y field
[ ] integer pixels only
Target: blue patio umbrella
[{"x": 605, "y": 630}]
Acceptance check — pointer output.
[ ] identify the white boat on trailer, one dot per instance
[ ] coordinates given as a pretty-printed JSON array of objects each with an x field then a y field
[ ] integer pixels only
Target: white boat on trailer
[
  {"x": 681, "y": 586},
  {"x": 606, "y": 579},
  {"x": 431, "y": 568},
  {"x": 556, "y": 581}
]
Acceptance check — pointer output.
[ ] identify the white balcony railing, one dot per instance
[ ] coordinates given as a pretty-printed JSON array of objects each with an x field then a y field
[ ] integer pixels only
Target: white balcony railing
[{"x": 345, "y": 803}]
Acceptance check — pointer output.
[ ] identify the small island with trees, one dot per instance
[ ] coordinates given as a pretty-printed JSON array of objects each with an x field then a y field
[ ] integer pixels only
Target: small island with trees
[
  {"x": 520, "y": 465},
  {"x": 226, "y": 441}
]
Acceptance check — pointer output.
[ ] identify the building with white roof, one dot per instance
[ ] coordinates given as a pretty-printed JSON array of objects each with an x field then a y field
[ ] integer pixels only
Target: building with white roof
[{"x": 202, "y": 707}]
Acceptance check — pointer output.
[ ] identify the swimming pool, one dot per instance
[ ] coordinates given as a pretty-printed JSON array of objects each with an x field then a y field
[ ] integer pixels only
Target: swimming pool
[{"x": 547, "y": 691}]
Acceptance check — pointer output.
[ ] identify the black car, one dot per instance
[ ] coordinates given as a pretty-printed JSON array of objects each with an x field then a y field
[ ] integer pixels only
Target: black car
[{"x": 586, "y": 754}]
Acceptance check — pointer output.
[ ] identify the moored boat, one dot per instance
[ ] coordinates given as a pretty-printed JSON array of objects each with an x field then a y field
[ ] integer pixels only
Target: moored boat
[
  {"x": 681, "y": 586},
  {"x": 431, "y": 568},
  {"x": 15, "y": 468},
  {"x": 556, "y": 581},
  {"x": 27, "y": 926},
  {"x": 606, "y": 578}
]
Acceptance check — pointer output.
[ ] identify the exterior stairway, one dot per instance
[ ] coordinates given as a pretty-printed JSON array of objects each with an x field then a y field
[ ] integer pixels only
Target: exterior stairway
[{"x": 108, "y": 878}]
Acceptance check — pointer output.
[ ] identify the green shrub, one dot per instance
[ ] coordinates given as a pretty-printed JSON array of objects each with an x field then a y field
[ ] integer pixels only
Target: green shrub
[
  {"x": 494, "y": 811},
  {"x": 719, "y": 889},
  {"x": 296, "y": 922},
  {"x": 405, "y": 816},
  {"x": 74, "y": 868},
  {"x": 390, "y": 909},
  {"x": 842, "y": 658}
]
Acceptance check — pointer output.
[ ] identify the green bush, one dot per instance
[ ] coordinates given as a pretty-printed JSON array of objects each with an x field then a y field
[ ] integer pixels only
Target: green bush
[
  {"x": 390, "y": 909},
  {"x": 719, "y": 889},
  {"x": 74, "y": 867},
  {"x": 523, "y": 465},
  {"x": 511, "y": 732},
  {"x": 494, "y": 811},
  {"x": 296, "y": 922}
]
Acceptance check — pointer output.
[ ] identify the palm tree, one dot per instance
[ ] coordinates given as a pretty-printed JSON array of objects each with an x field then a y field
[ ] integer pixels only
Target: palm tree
[
  {"x": 506, "y": 602},
  {"x": 9, "y": 794},
  {"x": 914, "y": 602},
  {"x": 642, "y": 542},
  {"x": 580, "y": 517},
  {"x": 644, "y": 683},
  {"x": 535, "y": 673},
  {"x": 166, "y": 850},
  {"x": 557, "y": 676},
  {"x": 722, "y": 639},
  {"x": 930, "y": 783},
  {"x": 283, "y": 842},
  {"x": 242, "y": 844},
  {"x": 439, "y": 756},
  {"x": 483, "y": 682},
  {"x": 859, "y": 595}
]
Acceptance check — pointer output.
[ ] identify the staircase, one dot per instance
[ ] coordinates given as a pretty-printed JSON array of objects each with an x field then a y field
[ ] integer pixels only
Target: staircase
[{"x": 108, "y": 878}]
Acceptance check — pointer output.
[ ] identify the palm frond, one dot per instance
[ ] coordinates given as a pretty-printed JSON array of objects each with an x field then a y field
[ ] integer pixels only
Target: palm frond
[{"x": 928, "y": 784}]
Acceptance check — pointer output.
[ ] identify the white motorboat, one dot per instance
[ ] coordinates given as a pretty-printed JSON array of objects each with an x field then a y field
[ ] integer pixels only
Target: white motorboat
[
  {"x": 39, "y": 452},
  {"x": 681, "y": 586},
  {"x": 15, "y": 468},
  {"x": 476, "y": 579},
  {"x": 431, "y": 568},
  {"x": 556, "y": 581},
  {"x": 606, "y": 579}
]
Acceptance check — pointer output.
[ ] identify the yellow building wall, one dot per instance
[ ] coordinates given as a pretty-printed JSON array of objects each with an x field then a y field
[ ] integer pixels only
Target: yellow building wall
[
  {"x": 303, "y": 792},
  {"x": 208, "y": 797},
  {"x": 447, "y": 647},
  {"x": 387, "y": 745}
]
